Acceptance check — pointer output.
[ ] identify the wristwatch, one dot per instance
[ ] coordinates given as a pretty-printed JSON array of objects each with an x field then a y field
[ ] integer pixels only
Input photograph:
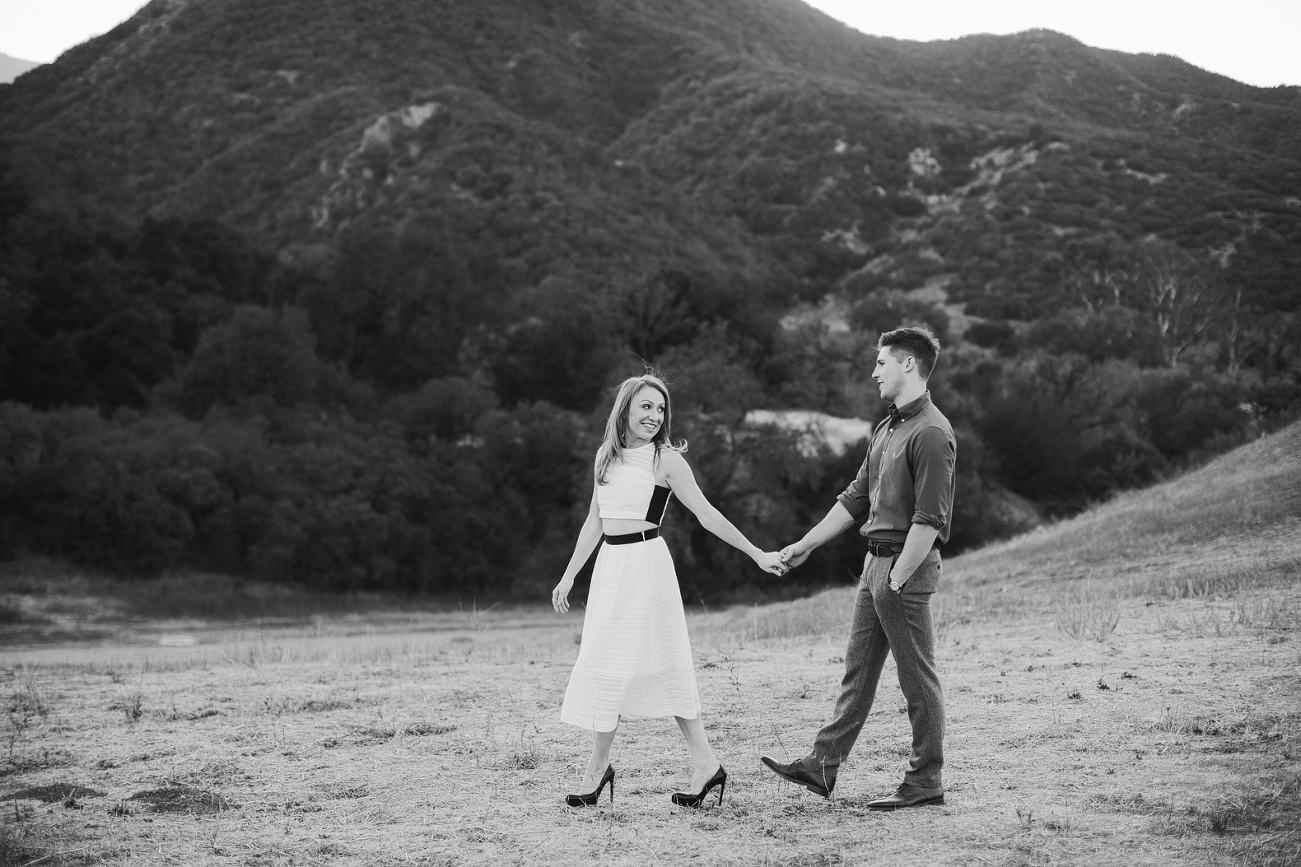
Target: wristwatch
[{"x": 897, "y": 588}]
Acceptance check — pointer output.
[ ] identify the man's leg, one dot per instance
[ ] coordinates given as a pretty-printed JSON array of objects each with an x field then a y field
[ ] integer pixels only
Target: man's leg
[
  {"x": 906, "y": 618},
  {"x": 864, "y": 658}
]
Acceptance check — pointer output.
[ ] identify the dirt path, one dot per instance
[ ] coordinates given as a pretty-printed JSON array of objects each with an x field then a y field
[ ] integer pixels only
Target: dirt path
[{"x": 1159, "y": 745}]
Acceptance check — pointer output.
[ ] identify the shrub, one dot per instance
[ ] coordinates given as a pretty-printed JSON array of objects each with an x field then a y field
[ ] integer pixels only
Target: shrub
[
  {"x": 885, "y": 311},
  {"x": 257, "y": 355},
  {"x": 993, "y": 334}
]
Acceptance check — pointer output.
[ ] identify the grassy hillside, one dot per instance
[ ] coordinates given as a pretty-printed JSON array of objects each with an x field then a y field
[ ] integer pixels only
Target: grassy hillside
[
  {"x": 1229, "y": 529},
  {"x": 1229, "y": 523}
]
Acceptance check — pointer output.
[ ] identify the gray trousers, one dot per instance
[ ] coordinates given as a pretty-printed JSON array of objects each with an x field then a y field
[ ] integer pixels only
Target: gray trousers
[{"x": 884, "y": 622}]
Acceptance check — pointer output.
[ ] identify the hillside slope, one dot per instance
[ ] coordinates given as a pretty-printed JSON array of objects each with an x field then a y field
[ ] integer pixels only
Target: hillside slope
[
  {"x": 1237, "y": 518},
  {"x": 268, "y": 92},
  {"x": 750, "y": 137}
]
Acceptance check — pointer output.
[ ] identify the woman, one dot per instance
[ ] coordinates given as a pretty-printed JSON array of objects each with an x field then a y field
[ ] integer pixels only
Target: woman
[{"x": 635, "y": 658}]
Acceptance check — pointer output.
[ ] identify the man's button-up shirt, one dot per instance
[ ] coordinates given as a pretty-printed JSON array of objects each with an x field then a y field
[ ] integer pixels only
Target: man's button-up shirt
[{"x": 907, "y": 477}]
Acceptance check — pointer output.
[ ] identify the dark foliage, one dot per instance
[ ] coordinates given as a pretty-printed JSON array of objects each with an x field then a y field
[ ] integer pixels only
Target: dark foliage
[{"x": 335, "y": 296}]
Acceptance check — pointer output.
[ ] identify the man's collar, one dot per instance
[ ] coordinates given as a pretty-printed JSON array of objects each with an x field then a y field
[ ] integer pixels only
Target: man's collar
[{"x": 910, "y": 409}]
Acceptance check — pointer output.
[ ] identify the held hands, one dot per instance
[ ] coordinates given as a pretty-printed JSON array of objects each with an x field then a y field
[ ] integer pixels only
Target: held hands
[
  {"x": 794, "y": 555},
  {"x": 560, "y": 595},
  {"x": 771, "y": 561}
]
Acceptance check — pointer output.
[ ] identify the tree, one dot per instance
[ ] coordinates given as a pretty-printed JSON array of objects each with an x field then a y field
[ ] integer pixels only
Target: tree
[
  {"x": 1098, "y": 271},
  {"x": 1183, "y": 299},
  {"x": 712, "y": 376},
  {"x": 559, "y": 350},
  {"x": 656, "y": 312},
  {"x": 258, "y": 354},
  {"x": 886, "y": 310},
  {"x": 447, "y": 408},
  {"x": 1113, "y": 331}
]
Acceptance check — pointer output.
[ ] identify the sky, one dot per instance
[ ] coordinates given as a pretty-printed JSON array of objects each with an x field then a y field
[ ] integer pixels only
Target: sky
[{"x": 1254, "y": 41}]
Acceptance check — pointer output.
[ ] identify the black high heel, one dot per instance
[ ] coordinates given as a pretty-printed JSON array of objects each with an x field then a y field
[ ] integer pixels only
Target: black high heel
[
  {"x": 686, "y": 799},
  {"x": 589, "y": 799}
]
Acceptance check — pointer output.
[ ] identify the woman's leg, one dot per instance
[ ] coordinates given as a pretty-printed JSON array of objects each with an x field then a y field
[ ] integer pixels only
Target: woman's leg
[
  {"x": 703, "y": 762},
  {"x": 599, "y": 761}
]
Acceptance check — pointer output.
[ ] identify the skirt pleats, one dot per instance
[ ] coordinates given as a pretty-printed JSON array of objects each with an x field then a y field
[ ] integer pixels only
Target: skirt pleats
[{"x": 635, "y": 657}]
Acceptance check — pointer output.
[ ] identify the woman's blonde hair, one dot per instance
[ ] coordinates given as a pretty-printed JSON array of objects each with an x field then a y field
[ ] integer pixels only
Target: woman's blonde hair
[{"x": 616, "y": 427}]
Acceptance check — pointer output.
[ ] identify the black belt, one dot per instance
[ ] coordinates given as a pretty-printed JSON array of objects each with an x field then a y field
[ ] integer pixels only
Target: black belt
[
  {"x": 880, "y": 549},
  {"x": 629, "y": 538}
]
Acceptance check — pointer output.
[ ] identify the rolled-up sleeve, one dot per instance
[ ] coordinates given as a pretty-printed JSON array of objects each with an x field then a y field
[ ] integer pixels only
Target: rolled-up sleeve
[
  {"x": 857, "y": 497},
  {"x": 934, "y": 457}
]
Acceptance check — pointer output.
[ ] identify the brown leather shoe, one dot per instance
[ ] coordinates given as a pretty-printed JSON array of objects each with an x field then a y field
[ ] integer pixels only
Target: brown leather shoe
[
  {"x": 908, "y": 795},
  {"x": 795, "y": 772}
]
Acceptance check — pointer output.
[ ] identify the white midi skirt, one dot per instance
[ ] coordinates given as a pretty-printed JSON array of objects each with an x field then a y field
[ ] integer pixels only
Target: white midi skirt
[{"x": 635, "y": 659}]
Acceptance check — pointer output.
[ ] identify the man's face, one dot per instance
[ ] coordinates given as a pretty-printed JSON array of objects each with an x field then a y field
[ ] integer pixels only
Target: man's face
[{"x": 889, "y": 373}]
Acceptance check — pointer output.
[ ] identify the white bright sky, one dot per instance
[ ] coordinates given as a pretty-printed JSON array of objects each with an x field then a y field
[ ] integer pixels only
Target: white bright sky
[{"x": 1255, "y": 41}]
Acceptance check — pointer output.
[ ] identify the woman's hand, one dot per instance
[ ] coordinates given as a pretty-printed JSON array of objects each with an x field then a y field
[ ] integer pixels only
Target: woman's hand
[
  {"x": 560, "y": 595},
  {"x": 771, "y": 561}
]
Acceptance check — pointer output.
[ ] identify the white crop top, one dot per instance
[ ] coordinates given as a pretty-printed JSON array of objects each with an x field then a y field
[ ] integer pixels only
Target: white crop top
[{"x": 630, "y": 492}]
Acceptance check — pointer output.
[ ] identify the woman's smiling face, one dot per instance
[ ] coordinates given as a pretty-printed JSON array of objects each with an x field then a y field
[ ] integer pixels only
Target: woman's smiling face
[{"x": 645, "y": 416}]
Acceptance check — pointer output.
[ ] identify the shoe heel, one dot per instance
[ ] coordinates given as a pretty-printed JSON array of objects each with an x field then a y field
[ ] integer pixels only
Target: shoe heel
[
  {"x": 721, "y": 787},
  {"x": 590, "y": 799}
]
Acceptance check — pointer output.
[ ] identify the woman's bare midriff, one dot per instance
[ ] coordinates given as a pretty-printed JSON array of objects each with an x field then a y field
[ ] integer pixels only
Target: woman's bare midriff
[{"x": 620, "y": 527}]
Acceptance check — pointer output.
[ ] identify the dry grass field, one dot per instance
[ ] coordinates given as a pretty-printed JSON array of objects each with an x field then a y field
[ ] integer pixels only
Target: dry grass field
[{"x": 1123, "y": 689}]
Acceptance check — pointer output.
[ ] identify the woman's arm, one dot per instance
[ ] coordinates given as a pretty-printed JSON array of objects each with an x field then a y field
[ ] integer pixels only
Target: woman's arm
[
  {"x": 588, "y": 538},
  {"x": 683, "y": 484}
]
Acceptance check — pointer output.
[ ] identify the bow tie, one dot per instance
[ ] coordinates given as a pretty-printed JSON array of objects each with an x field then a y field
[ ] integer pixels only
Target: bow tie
[{"x": 895, "y": 418}]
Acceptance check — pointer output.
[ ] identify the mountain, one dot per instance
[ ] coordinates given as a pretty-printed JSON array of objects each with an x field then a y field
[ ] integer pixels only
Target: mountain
[
  {"x": 740, "y": 137},
  {"x": 289, "y": 121},
  {"x": 435, "y": 227},
  {"x": 12, "y": 67},
  {"x": 727, "y": 150},
  {"x": 173, "y": 82}
]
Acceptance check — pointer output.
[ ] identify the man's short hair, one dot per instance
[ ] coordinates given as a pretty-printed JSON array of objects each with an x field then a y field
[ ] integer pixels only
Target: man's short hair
[{"x": 915, "y": 341}]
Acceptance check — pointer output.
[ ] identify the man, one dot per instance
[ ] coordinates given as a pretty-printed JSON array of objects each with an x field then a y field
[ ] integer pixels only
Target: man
[{"x": 906, "y": 487}]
